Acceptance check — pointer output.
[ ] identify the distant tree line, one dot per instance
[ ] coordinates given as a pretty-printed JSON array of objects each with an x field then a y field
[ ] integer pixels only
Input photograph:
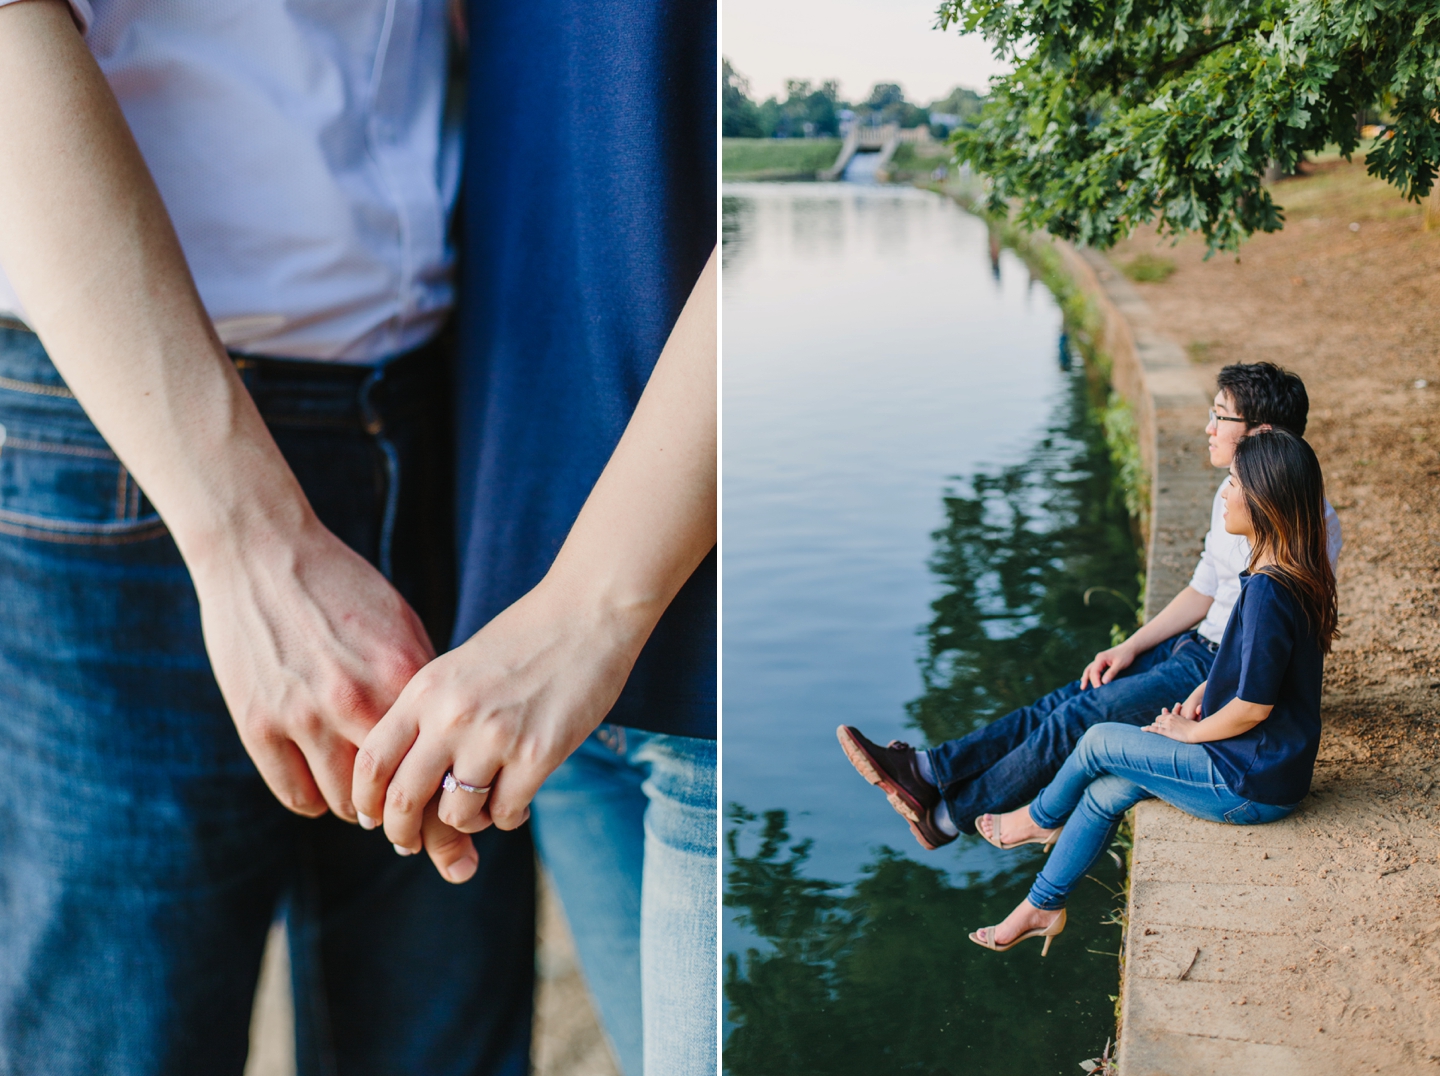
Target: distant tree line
[{"x": 811, "y": 111}]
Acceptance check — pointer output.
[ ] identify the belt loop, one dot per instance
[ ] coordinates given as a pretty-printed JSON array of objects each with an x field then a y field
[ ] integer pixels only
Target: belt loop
[{"x": 375, "y": 427}]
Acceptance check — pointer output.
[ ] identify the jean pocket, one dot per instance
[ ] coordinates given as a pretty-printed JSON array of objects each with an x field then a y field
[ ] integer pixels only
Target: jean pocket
[
  {"x": 1247, "y": 814},
  {"x": 58, "y": 487},
  {"x": 1257, "y": 814}
]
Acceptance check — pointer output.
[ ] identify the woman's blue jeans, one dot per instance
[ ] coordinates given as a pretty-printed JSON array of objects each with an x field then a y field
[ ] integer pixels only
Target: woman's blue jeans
[
  {"x": 142, "y": 858},
  {"x": 1113, "y": 768},
  {"x": 627, "y": 828}
]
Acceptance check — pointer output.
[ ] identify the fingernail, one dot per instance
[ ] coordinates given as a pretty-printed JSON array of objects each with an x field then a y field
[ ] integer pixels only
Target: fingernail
[
  {"x": 401, "y": 850},
  {"x": 366, "y": 822},
  {"x": 463, "y": 869}
]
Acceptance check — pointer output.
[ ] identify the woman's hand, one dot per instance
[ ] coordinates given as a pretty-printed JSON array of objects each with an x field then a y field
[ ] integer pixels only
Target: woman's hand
[
  {"x": 1190, "y": 708},
  {"x": 1174, "y": 724},
  {"x": 506, "y": 708},
  {"x": 503, "y": 711}
]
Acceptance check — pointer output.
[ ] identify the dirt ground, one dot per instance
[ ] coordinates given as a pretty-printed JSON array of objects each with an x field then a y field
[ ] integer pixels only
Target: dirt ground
[{"x": 1348, "y": 296}]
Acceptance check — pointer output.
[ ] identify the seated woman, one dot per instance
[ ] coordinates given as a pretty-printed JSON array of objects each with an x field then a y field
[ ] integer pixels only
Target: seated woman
[{"x": 1251, "y": 758}]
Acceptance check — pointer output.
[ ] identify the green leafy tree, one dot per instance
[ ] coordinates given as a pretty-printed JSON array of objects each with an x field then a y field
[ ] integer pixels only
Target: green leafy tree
[
  {"x": 887, "y": 104},
  {"x": 1121, "y": 112},
  {"x": 808, "y": 111},
  {"x": 739, "y": 115}
]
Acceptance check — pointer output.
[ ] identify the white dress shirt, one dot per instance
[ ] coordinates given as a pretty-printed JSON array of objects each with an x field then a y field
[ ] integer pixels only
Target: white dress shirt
[
  {"x": 299, "y": 147},
  {"x": 1227, "y": 555}
]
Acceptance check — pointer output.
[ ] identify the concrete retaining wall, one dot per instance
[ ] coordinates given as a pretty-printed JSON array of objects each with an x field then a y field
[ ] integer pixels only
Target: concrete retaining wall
[{"x": 1170, "y": 399}]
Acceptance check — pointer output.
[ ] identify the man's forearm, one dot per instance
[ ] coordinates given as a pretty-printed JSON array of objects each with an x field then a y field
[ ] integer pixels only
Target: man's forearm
[
  {"x": 1185, "y": 610},
  {"x": 89, "y": 248}
]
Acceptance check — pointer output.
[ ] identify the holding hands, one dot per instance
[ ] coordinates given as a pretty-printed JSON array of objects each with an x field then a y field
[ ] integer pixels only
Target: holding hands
[{"x": 500, "y": 712}]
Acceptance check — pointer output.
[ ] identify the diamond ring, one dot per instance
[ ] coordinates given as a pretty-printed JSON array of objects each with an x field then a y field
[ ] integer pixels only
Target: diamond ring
[{"x": 451, "y": 783}]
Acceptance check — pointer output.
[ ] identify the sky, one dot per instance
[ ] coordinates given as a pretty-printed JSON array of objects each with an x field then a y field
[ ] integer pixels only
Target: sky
[{"x": 858, "y": 42}]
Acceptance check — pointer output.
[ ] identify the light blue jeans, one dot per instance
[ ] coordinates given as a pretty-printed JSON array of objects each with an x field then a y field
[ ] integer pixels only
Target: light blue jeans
[
  {"x": 1113, "y": 768},
  {"x": 628, "y": 829}
]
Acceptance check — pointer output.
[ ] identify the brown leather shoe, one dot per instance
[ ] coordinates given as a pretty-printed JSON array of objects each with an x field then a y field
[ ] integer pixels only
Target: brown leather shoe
[{"x": 895, "y": 772}]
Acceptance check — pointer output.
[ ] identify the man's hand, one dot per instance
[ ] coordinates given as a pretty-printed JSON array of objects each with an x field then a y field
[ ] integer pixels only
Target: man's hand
[
  {"x": 310, "y": 646},
  {"x": 1107, "y": 665},
  {"x": 502, "y": 711}
]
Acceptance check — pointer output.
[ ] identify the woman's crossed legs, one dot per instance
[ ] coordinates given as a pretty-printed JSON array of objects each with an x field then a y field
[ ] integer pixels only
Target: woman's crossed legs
[{"x": 1111, "y": 769}]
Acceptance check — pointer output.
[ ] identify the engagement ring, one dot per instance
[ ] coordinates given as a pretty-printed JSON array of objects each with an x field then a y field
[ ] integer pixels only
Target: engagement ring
[{"x": 451, "y": 783}]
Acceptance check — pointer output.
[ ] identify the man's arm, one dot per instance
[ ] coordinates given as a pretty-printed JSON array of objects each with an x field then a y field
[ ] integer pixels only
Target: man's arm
[
  {"x": 1185, "y": 610},
  {"x": 507, "y": 707},
  {"x": 309, "y": 644}
]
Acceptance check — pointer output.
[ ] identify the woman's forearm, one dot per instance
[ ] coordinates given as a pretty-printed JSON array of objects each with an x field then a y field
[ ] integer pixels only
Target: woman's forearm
[
  {"x": 651, "y": 517},
  {"x": 89, "y": 248},
  {"x": 1234, "y": 718}
]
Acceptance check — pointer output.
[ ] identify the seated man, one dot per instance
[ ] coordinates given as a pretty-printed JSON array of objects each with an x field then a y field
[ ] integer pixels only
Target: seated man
[{"x": 942, "y": 790}]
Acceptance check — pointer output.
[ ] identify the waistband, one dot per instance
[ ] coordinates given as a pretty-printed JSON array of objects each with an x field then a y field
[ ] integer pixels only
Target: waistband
[
  {"x": 273, "y": 382},
  {"x": 1194, "y": 636}
]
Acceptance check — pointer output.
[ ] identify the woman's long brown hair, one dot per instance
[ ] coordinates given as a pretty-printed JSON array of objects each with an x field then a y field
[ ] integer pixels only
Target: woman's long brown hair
[{"x": 1285, "y": 493}]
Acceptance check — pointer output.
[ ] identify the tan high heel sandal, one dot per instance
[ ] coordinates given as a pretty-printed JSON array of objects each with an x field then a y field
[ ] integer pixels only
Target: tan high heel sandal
[
  {"x": 1048, "y": 840},
  {"x": 1048, "y": 933}
]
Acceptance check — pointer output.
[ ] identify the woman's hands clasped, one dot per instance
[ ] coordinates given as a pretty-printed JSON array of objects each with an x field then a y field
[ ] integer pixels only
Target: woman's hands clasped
[{"x": 1181, "y": 722}]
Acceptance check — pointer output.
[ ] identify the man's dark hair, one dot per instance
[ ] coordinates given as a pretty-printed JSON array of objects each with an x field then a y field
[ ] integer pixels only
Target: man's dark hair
[{"x": 1266, "y": 395}]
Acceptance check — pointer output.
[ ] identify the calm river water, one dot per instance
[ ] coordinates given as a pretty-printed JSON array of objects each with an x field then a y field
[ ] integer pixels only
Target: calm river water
[{"x": 916, "y": 498}]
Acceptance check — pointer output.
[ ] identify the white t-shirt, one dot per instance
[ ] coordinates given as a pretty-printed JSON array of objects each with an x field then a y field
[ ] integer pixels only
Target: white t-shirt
[
  {"x": 301, "y": 149},
  {"x": 1227, "y": 555}
]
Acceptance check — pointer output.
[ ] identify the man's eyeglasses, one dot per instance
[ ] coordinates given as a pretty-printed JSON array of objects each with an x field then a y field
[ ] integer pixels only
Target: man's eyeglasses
[{"x": 1215, "y": 419}]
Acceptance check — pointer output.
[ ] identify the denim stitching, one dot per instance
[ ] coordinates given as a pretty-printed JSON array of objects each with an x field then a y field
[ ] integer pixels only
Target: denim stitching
[
  {"x": 33, "y": 388},
  {"x": 1230, "y": 814},
  {"x": 122, "y": 493},
  {"x": 60, "y": 449},
  {"x": 24, "y": 519},
  {"x": 144, "y": 533}
]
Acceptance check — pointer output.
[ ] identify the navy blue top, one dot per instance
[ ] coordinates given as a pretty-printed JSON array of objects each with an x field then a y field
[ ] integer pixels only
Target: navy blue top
[
  {"x": 1268, "y": 655},
  {"x": 589, "y": 210}
]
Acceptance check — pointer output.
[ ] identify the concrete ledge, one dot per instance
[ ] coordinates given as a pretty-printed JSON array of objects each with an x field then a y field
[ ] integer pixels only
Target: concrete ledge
[{"x": 1170, "y": 400}]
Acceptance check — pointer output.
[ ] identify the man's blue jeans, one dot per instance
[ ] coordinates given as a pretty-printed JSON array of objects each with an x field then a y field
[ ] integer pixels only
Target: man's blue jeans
[
  {"x": 142, "y": 858},
  {"x": 627, "y": 828},
  {"x": 1003, "y": 765},
  {"x": 1113, "y": 768}
]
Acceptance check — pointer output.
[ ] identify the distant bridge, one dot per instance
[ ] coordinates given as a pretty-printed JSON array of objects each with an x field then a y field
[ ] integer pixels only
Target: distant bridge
[{"x": 885, "y": 139}]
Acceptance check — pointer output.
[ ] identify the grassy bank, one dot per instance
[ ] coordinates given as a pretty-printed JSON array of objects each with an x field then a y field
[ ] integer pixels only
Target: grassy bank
[{"x": 776, "y": 158}]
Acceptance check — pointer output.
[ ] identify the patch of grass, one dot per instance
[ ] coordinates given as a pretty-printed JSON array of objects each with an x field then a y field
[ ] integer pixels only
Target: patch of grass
[
  {"x": 917, "y": 160},
  {"x": 1122, "y": 437},
  {"x": 776, "y": 158},
  {"x": 1148, "y": 269}
]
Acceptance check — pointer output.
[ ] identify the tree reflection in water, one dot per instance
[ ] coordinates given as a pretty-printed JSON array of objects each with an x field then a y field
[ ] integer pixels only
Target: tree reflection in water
[{"x": 877, "y": 975}]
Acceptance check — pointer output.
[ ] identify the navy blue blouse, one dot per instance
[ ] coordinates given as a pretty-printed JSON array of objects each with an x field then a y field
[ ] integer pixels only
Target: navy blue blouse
[
  {"x": 589, "y": 212},
  {"x": 1271, "y": 657}
]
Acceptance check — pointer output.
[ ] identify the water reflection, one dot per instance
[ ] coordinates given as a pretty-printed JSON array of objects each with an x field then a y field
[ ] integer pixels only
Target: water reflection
[
  {"x": 880, "y": 977},
  {"x": 1022, "y": 548},
  {"x": 917, "y": 499}
]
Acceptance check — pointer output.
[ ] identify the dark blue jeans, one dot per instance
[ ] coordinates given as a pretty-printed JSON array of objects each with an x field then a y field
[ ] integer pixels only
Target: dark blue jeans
[
  {"x": 1005, "y": 764},
  {"x": 142, "y": 858}
]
